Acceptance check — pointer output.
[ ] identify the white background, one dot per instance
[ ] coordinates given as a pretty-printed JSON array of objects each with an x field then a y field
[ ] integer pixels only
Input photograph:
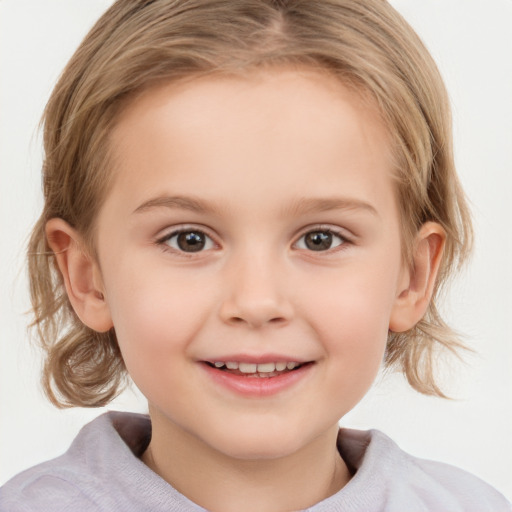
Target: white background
[{"x": 472, "y": 43}]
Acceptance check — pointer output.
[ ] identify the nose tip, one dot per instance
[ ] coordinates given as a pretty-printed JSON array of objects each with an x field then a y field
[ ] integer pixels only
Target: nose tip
[
  {"x": 256, "y": 300},
  {"x": 256, "y": 313}
]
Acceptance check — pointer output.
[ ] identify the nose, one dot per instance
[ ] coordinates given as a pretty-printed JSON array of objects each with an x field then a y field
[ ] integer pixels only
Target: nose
[{"x": 256, "y": 294}]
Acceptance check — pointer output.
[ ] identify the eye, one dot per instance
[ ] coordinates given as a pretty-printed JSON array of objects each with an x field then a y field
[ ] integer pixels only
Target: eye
[
  {"x": 190, "y": 240},
  {"x": 320, "y": 240}
]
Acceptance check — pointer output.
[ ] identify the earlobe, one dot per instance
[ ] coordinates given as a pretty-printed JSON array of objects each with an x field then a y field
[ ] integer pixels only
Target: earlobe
[
  {"x": 418, "y": 284},
  {"x": 81, "y": 275}
]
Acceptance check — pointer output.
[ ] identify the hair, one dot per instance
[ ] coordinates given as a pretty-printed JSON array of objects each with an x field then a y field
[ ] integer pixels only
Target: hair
[{"x": 139, "y": 43}]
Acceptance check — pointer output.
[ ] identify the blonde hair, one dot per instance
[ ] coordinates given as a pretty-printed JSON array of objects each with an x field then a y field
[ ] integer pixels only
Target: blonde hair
[{"x": 139, "y": 43}]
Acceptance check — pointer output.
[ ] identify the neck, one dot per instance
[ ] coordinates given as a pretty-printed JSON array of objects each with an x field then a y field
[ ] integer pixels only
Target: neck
[{"x": 218, "y": 482}]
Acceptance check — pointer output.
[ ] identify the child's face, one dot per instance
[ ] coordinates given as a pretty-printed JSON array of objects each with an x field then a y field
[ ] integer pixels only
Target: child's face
[{"x": 251, "y": 221}]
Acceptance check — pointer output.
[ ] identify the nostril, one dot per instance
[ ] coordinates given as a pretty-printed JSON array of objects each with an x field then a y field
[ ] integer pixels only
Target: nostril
[
  {"x": 257, "y": 322},
  {"x": 256, "y": 312}
]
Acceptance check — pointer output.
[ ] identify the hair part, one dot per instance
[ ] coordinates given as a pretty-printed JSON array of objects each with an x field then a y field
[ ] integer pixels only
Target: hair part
[{"x": 139, "y": 43}]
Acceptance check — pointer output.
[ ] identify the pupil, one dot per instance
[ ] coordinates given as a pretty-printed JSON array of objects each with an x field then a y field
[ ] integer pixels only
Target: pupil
[
  {"x": 319, "y": 240},
  {"x": 191, "y": 241}
]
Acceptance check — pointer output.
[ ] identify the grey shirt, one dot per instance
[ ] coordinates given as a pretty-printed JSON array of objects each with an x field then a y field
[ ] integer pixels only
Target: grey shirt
[{"x": 102, "y": 471}]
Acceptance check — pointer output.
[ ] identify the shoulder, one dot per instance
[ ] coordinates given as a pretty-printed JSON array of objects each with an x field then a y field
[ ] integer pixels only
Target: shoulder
[
  {"x": 54, "y": 485},
  {"x": 444, "y": 484},
  {"x": 80, "y": 478},
  {"x": 43, "y": 488},
  {"x": 404, "y": 482}
]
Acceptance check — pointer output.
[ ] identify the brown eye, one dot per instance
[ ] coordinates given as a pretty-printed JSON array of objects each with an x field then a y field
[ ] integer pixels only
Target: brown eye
[
  {"x": 189, "y": 241},
  {"x": 321, "y": 240}
]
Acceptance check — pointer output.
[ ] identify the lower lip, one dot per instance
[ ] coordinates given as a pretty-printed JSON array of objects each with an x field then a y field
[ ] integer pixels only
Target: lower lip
[{"x": 257, "y": 387}]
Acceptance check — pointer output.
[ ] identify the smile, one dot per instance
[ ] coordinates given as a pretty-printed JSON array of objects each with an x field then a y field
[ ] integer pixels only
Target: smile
[
  {"x": 257, "y": 379},
  {"x": 264, "y": 370}
]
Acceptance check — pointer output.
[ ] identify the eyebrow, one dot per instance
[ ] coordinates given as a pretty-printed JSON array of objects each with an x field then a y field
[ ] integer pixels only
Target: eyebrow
[
  {"x": 180, "y": 202},
  {"x": 299, "y": 206},
  {"x": 318, "y": 205}
]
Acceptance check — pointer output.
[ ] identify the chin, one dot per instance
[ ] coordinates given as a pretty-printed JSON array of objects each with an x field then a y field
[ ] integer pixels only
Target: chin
[
  {"x": 260, "y": 449},
  {"x": 260, "y": 442}
]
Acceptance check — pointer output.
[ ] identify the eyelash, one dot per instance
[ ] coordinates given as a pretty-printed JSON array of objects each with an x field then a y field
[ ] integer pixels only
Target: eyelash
[
  {"x": 163, "y": 241},
  {"x": 344, "y": 240}
]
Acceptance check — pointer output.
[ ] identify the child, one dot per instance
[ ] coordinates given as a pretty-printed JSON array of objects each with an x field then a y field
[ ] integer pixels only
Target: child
[{"x": 248, "y": 206}]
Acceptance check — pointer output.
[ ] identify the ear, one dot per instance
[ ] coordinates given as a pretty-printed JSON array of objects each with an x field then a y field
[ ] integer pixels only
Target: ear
[
  {"x": 417, "y": 284},
  {"x": 81, "y": 275}
]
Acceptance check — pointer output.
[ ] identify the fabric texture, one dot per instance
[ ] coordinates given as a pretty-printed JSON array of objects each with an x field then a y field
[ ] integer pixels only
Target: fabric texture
[{"x": 101, "y": 472}]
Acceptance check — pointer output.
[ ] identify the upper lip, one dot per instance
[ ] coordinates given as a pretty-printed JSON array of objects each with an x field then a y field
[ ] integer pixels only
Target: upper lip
[{"x": 257, "y": 359}]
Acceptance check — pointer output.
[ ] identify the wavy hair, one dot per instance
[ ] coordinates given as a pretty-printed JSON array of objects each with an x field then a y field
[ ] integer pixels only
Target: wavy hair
[{"x": 139, "y": 43}]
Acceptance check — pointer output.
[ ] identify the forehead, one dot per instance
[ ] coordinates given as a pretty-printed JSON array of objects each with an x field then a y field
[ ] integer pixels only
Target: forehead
[{"x": 220, "y": 135}]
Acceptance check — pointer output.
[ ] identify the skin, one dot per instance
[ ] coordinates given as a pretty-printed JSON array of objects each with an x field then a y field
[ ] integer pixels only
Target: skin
[{"x": 256, "y": 163}]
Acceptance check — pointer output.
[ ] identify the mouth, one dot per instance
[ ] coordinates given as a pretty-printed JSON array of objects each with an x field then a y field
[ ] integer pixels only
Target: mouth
[
  {"x": 257, "y": 377},
  {"x": 257, "y": 370}
]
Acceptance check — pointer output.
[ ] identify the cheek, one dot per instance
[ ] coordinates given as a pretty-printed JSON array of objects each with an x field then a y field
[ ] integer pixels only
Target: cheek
[
  {"x": 354, "y": 330},
  {"x": 154, "y": 316},
  {"x": 351, "y": 315},
  {"x": 155, "y": 321},
  {"x": 354, "y": 335}
]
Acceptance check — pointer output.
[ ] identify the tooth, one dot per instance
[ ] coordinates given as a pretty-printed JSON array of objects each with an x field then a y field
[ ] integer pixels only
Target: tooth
[
  {"x": 280, "y": 367},
  {"x": 291, "y": 366},
  {"x": 247, "y": 367},
  {"x": 219, "y": 364},
  {"x": 231, "y": 365},
  {"x": 266, "y": 367}
]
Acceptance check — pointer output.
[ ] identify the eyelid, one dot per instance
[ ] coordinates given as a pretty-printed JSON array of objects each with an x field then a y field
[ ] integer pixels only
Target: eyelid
[
  {"x": 160, "y": 240},
  {"x": 170, "y": 232},
  {"x": 342, "y": 233}
]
